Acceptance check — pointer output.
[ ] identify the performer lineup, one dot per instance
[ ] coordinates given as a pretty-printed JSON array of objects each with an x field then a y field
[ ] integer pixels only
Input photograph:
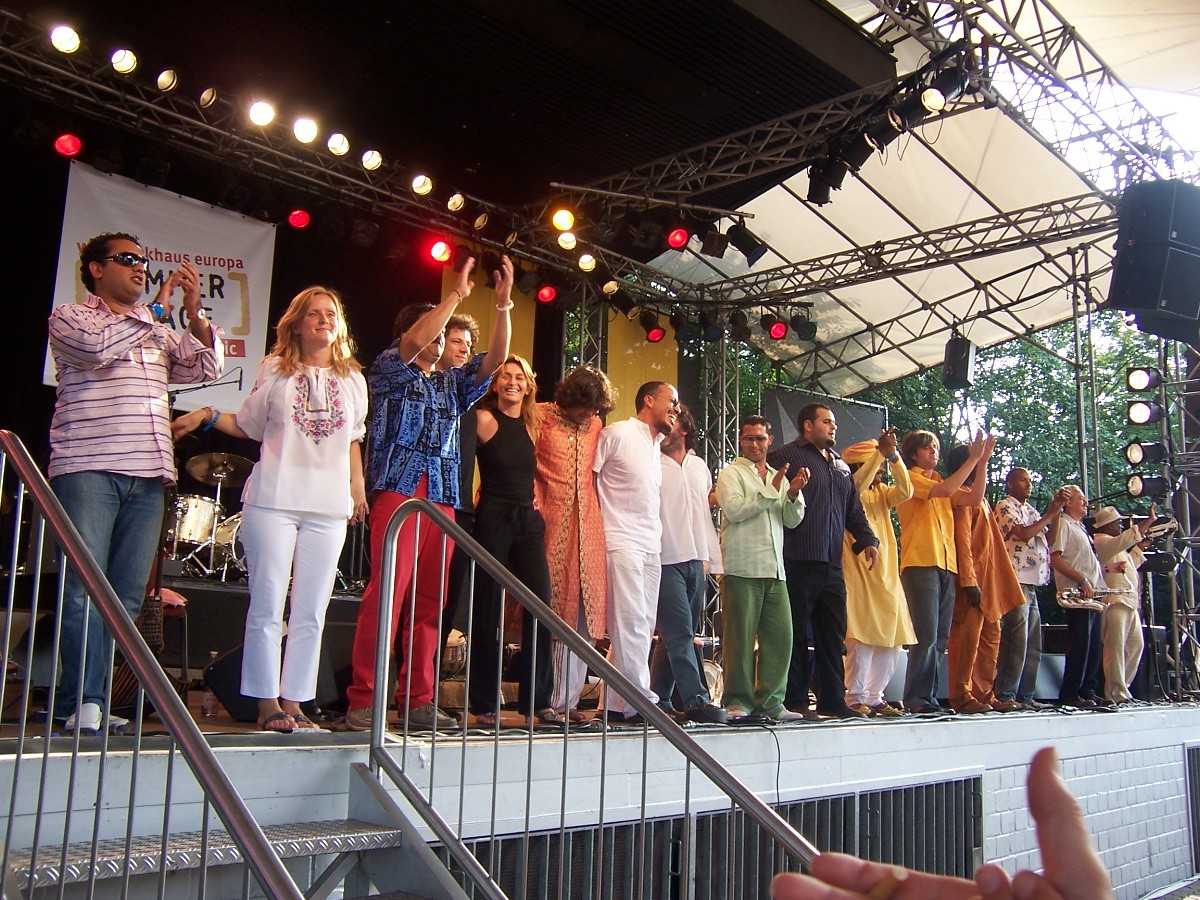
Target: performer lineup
[{"x": 610, "y": 525}]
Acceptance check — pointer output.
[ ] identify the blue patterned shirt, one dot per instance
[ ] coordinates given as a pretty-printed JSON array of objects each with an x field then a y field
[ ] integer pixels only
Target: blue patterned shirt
[{"x": 414, "y": 425}]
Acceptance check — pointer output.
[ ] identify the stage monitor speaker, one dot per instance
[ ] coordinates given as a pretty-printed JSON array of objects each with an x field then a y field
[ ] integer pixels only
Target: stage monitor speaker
[
  {"x": 1158, "y": 279},
  {"x": 1160, "y": 212},
  {"x": 224, "y": 675},
  {"x": 958, "y": 368}
]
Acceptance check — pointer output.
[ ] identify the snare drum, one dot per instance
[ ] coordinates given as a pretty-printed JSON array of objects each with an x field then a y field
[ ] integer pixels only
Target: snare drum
[
  {"x": 227, "y": 546},
  {"x": 195, "y": 517}
]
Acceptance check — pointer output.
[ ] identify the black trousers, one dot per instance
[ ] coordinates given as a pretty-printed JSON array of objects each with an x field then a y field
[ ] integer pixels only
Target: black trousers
[
  {"x": 817, "y": 592},
  {"x": 1082, "y": 669},
  {"x": 515, "y": 535}
]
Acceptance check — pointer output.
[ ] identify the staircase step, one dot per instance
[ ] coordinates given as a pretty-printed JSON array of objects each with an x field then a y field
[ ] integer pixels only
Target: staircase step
[{"x": 184, "y": 851}]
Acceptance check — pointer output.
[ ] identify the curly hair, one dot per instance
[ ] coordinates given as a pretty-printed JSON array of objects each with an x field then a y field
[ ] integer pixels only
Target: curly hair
[
  {"x": 95, "y": 250},
  {"x": 287, "y": 340},
  {"x": 463, "y": 322},
  {"x": 586, "y": 386}
]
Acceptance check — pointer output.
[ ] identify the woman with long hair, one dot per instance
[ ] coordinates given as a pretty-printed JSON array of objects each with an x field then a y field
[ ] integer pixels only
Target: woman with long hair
[
  {"x": 509, "y": 526},
  {"x": 308, "y": 407}
]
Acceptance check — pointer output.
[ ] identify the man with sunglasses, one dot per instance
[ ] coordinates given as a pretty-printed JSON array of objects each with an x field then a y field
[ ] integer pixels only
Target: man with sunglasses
[{"x": 110, "y": 440}]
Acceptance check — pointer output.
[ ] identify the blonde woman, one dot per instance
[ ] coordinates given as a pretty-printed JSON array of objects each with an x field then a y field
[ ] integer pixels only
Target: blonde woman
[{"x": 308, "y": 407}]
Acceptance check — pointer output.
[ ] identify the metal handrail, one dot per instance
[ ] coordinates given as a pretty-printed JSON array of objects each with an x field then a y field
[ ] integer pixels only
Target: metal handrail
[
  {"x": 790, "y": 840},
  {"x": 244, "y": 830}
]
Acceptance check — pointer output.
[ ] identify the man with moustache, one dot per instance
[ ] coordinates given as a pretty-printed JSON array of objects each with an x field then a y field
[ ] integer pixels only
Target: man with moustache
[
  {"x": 812, "y": 557},
  {"x": 629, "y": 484},
  {"x": 110, "y": 440},
  {"x": 1076, "y": 565}
]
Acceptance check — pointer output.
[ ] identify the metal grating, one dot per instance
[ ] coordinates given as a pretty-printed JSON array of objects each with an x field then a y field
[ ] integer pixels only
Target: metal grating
[{"x": 1192, "y": 762}]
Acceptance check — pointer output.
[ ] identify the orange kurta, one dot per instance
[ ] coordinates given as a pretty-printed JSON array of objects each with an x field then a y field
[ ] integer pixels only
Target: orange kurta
[{"x": 566, "y": 496}]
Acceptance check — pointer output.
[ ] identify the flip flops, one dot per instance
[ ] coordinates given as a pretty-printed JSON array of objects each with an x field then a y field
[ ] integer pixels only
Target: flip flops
[{"x": 281, "y": 716}]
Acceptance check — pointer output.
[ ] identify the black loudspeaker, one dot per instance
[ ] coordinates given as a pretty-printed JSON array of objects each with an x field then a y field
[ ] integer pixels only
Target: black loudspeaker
[
  {"x": 958, "y": 368},
  {"x": 1158, "y": 280},
  {"x": 1160, "y": 212},
  {"x": 224, "y": 675}
]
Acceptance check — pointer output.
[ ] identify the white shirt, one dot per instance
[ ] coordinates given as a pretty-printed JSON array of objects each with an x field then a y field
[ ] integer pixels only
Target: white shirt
[
  {"x": 1031, "y": 558},
  {"x": 1122, "y": 548},
  {"x": 306, "y": 423},
  {"x": 687, "y": 526},
  {"x": 1073, "y": 542},
  {"x": 628, "y": 483}
]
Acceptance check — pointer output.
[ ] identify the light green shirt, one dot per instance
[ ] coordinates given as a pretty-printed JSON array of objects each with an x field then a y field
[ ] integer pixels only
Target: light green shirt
[{"x": 754, "y": 515}]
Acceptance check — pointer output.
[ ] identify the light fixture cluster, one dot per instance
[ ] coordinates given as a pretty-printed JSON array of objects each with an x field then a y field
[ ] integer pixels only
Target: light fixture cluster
[{"x": 1145, "y": 411}]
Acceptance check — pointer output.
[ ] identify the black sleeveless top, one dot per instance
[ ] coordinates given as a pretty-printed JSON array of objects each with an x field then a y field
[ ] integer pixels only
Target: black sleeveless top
[{"x": 507, "y": 463}]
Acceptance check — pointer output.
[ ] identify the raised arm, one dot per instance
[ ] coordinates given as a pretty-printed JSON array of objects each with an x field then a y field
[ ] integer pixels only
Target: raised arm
[
  {"x": 426, "y": 329},
  {"x": 497, "y": 350}
]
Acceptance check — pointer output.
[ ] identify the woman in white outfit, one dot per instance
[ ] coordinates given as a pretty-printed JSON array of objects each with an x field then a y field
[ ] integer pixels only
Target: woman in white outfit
[{"x": 308, "y": 407}]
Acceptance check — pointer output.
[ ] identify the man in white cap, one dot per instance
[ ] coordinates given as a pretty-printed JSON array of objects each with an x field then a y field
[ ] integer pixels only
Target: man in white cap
[{"x": 1120, "y": 551}]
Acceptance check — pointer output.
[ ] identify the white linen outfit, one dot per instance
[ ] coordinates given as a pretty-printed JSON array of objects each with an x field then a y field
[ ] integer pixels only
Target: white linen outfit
[
  {"x": 629, "y": 484},
  {"x": 1121, "y": 628},
  {"x": 295, "y": 507}
]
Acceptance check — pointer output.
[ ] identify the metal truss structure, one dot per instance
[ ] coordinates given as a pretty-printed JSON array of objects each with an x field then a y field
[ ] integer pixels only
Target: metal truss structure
[{"x": 720, "y": 386}]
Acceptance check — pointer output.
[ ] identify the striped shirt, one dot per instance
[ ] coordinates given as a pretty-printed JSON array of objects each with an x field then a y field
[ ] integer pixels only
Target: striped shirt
[{"x": 112, "y": 413}]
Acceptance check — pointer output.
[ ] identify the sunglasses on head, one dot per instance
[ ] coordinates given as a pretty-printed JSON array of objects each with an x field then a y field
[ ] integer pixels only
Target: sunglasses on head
[{"x": 127, "y": 259}]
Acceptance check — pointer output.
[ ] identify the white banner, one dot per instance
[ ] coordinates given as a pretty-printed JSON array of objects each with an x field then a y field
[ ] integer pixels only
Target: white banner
[{"x": 232, "y": 252}]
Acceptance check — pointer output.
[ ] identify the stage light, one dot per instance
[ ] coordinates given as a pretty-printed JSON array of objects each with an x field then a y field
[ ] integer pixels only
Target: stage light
[
  {"x": 456, "y": 201},
  {"x": 1138, "y": 452},
  {"x": 685, "y": 330},
  {"x": 167, "y": 80},
  {"x": 858, "y": 151},
  {"x": 124, "y": 61},
  {"x": 421, "y": 184},
  {"x": 547, "y": 293},
  {"x": 566, "y": 240},
  {"x": 152, "y": 170},
  {"x": 364, "y": 232},
  {"x": 747, "y": 242},
  {"x": 563, "y": 219},
  {"x": 262, "y": 113},
  {"x": 305, "y": 130},
  {"x": 338, "y": 144},
  {"x": 714, "y": 244},
  {"x": 587, "y": 262},
  {"x": 824, "y": 176},
  {"x": 68, "y": 145},
  {"x": 739, "y": 328},
  {"x": 480, "y": 222},
  {"x": 804, "y": 327},
  {"x": 439, "y": 251},
  {"x": 611, "y": 285},
  {"x": 460, "y": 255},
  {"x": 653, "y": 328},
  {"x": 527, "y": 280},
  {"x": 908, "y": 113},
  {"x": 64, "y": 39},
  {"x": 624, "y": 302},
  {"x": 109, "y": 160},
  {"x": 208, "y": 97},
  {"x": 234, "y": 196},
  {"x": 1152, "y": 486},
  {"x": 711, "y": 328},
  {"x": 372, "y": 160},
  {"x": 299, "y": 218},
  {"x": 678, "y": 237},
  {"x": 1143, "y": 412},
  {"x": 949, "y": 84},
  {"x": 1159, "y": 562},
  {"x": 879, "y": 133},
  {"x": 773, "y": 326},
  {"x": 1143, "y": 378}
]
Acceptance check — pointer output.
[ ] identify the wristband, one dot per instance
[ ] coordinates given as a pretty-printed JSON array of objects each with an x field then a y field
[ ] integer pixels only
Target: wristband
[
  {"x": 894, "y": 458},
  {"x": 216, "y": 416}
]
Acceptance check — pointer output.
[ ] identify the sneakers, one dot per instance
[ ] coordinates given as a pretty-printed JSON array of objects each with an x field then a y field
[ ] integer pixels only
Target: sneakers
[
  {"x": 87, "y": 718},
  {"x": 706, "y": 715},
  {"x": 428, "y": 718}
]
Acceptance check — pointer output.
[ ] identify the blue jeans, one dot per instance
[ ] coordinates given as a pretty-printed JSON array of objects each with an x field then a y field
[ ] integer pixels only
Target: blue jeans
[
  {"x": 680, "y": 605},
  {"x": 1020, "y": 649},
  {"x": 930, "y": 594},
  {"x": 120, "y": 519}
]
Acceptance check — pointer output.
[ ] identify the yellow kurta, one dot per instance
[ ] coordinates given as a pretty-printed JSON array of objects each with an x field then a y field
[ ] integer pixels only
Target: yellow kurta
[{"x": 876, "y": 610}]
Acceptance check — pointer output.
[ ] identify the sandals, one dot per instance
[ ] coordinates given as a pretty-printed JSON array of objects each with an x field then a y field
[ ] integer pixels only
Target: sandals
[
  {"x": 550, "y": 716},
  {"x": 485, "y": 720},
  {"x": 281, "y": 716},
  {"x": 304, "y": 723}
]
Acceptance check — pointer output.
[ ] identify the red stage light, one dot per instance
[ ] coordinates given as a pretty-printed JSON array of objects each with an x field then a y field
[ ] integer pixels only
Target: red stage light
[
  {"x": 656, "y": 334},
  {"x": 299, "y": 218},
  {"x": 778, "y": 330},
  {"x": 440, "y": 251},
  {"x": 546, "y": 293},
  {"x": 677, "y": 239},
  {"x": 68, "y": 144}
]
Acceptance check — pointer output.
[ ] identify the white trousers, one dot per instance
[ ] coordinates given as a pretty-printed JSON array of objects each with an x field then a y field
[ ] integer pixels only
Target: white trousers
[
  {"x": 633, "y": 578},
  {"x": 868, "y": 671},
  {"x": 1123, "y": 643},
  {"x": 304, "y": 548}
]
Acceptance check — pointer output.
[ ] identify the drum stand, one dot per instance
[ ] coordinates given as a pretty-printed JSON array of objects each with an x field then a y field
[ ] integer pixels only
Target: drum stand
[{"x": 211, "y": 544}]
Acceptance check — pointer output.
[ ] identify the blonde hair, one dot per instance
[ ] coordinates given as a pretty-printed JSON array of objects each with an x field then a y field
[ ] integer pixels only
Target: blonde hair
[
  {"x": 287, "y": 341},
  {"x": 529, "y": 407}
]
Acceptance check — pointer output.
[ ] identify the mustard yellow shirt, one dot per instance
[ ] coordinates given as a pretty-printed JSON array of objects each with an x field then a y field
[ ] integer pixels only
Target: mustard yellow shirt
[{"x": 927, "y": 525}]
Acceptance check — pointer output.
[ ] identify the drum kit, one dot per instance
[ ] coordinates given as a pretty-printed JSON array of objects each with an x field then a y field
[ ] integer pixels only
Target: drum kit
[{"x": 206, "y": 544}]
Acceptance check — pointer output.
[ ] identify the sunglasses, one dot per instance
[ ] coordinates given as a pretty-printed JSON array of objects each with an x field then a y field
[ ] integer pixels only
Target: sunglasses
[{"x": 128, "y": 260}]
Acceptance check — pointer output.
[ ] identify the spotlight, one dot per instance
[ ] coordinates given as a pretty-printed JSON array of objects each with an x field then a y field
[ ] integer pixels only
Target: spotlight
[
  {"x": 1159, "y": 562},
  {"x": 908, "y": 113},
  {"x": 1139, "y": 452},
  {"x": 372, "y": 160},
  {"x": 152, "y": 170},
  {"x": 480, "y": 222},
  {"x": 879, "y": 133},
  {"x": 1143, "y": 412},
  {"x": 563, "y": 219},
  {"x": 439, "y": 251},
  {"x": 1152, "y": 486},
  {"x": 685, "y": 331},
  {"x": 68, "y": 145},
  {"x": 364, "y": 232},
  {"x": 456, "y": 201},
  {"x": 167, "y": 80},
  {"x": 459, "y": 256},
  {"x": 234, "y": 196},
  {"x": 110, "y": 160},
  {"x": 824, "y": 176},
  {"x": 624, "y": 301},
  {"x": 64, "y": 39},
  {"x": 653, "y": 328},
  {"x": 611, "y": 285},
  {"x": 547, "y": 292},
  {"x": 299, "y": 218},
  {"x": 587, "y": 262},
  {"x": 338, "y": 144},
  {"x": 677, "y": 238},
  {"x": 262, "y": 113},
  {"x": 774, "y": 326},
  {"x": 747, "y": 242},
  {"x": 739, "y": 329},
  {"x": 527, "y": 280},
  {"x": 804, "y": 327},
  {"x": 711, "y": 328},
  {"x": 124, "y": 61},
  {"x": 305, "y": 130},
  {"x": 566, "y": 240},
  {"x": 858, "y": 151},
  {"x": 208, "y": 97},
  {"x": 1143, "y": 378},
  {"x": 950, "y": 83},
  {"x": 818, "y": 191},
  {"x": 421, "y": 184},
  {"x": 714, "y": 244}
]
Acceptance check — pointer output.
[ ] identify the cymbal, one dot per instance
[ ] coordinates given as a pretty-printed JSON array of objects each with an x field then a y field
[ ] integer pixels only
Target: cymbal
[{"x": 219, "y": 468}]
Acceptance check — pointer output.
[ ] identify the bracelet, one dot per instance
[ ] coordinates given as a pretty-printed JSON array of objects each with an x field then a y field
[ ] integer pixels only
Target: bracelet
[
  {"x": 506, "y": 308},
  {"x": 216, "y": 416},
  {"x": 456, "y": 292}
]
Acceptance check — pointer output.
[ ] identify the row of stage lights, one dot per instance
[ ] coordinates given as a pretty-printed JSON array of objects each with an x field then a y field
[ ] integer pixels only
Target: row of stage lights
[{"x": 1137, "y": 453}]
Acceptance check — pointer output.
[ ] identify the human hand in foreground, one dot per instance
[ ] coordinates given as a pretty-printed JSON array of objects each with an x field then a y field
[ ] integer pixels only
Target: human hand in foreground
[{"x": 1072, "y": 869}]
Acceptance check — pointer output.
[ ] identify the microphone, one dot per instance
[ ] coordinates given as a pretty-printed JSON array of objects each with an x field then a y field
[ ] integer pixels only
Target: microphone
[{"x": 239, "y": 368}]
